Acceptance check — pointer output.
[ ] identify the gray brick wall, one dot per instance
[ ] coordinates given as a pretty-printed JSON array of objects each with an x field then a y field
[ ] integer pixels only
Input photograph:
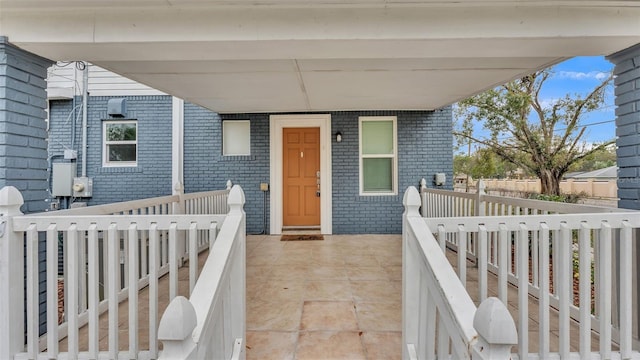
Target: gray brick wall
[
  {"x": 424, "y": 148},
  {"x": 205, "y": 168},
  {"x": 627, "y": 91},
  {"x": 150, "y": 178},
  {"x": 23, "y": 149},
  {"x": 424, "y": 144}
]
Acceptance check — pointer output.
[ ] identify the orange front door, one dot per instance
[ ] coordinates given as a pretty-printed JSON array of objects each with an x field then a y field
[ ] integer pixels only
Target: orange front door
[{"x": 301, "y": 166}]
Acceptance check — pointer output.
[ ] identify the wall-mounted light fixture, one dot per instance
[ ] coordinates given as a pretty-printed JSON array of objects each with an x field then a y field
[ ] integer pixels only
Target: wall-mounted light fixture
[{"x": 338, "y": 136}]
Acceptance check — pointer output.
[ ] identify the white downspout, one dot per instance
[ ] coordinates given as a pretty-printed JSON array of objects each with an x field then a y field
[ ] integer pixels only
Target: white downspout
[
  {"x": 85, "y": 99},
  {"x": 177, "y": 144},
  {"x": 177, "y": 166}
]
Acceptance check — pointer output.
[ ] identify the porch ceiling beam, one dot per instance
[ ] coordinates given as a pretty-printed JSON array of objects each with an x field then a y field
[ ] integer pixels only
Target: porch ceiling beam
[
  {"x": 440, "y": 32},
  {"x": 48, "y": 4},
  {"x": 319, "y": 55}
]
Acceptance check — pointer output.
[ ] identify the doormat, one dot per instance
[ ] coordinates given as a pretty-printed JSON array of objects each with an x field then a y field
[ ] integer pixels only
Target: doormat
[{"x": 301, "y": 237}]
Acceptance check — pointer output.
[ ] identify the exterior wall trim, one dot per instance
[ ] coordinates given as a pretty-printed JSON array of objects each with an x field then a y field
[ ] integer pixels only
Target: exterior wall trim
[
  {"x": 177, "y": 143},
  {"x": 279, "y": 122}
]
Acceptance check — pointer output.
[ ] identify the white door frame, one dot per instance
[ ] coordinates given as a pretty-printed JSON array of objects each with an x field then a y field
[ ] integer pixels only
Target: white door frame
[{"x": 277, "y": 123}]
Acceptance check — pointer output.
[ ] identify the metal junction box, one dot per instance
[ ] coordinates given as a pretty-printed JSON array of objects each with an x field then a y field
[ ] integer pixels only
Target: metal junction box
[
  {"x": 62, "y": 178},
  {"x": 82, "y": 187}
]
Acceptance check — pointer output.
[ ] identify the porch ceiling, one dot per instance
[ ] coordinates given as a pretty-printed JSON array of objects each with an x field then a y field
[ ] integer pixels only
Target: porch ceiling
[{"x": 304, "y": 55}]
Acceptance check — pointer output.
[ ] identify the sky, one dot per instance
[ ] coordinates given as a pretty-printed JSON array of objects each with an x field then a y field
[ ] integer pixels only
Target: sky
[{"x": 581, "y": 75}]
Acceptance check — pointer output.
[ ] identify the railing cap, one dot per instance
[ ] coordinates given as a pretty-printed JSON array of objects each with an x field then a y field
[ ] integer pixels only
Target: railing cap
[
  {"x": 236, "y": 198},
  {"x": 494, "y": 324},
  {"x": 10, "y": 200},
  {"x": 411, "y": 201},
  {"x": 178, "y": 320}
]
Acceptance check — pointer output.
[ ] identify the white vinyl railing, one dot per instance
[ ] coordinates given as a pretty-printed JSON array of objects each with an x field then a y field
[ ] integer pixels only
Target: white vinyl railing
[
  {"x": 110, "y": 252},
  {"x": 439, "y": 318},
  {"x": 211, "y": 324},
  {"x": 578, "y": 266},
  {"x": 446, "y": 203},
  {"x": 549, "y": 252}
]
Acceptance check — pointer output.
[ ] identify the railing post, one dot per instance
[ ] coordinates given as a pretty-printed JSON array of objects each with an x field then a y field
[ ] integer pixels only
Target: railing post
[
  {"x": 410, "y": 275},
  {"x": 496, "y": 329},
  {"x": 423, "y": 197},
  {"x": 236, "y": 203},
  {"x": 176, "y": 329},
  {"x": 480, "y": 204},
  {"x": 179, "y": 208},
  {"x": 229, "y": 184},
  {"x": 11, "y": 275}
]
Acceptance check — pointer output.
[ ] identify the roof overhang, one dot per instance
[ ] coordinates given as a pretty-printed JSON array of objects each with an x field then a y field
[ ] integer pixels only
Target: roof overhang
[{"x": 286, "y": 56}]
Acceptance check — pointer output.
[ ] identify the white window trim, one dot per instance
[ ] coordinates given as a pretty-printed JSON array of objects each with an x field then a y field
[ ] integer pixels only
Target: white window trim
[
  {"x": 393, "y": 156},
  {"x": 105, "y": 153},
  {"x": 224, "y": 123}
]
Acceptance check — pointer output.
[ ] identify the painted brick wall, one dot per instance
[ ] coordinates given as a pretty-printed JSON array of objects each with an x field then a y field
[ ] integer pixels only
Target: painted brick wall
[
  {"x": 205, "y": 168},
  {"x": 424, "y": 143},
  {"x": 627, "y": 91},
  {"x": 152, "y": 176},
  {"x": 424, "y": 148},
  {"x": 23, "y": 149}
]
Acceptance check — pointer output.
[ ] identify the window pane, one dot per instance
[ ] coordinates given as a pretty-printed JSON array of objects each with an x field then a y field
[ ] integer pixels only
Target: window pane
[
  {"x": 121, "y": 132},
  {"x": 377, "y": 137},
  {"x": 377, "y": 174},
  {"x": 125, "y": 152},
  {"x": 236, "y": 138}
]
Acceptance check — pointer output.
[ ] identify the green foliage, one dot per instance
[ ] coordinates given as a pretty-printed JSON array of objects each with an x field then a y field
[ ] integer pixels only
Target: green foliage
[
  {"x": 565, "y": 198},
  {"x": 597, "y": 160},
  {"x": 121, "y": 132},
  {"x": 543, "y": 139},
  {"x": 484, "y": 163}
]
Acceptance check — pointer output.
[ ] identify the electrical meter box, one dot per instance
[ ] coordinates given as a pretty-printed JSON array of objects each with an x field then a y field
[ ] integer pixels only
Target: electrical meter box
[
  {"x": 82, "y": 187},
  {"x": 62, "y": 174},
  {"x": 439, "y": 179}
]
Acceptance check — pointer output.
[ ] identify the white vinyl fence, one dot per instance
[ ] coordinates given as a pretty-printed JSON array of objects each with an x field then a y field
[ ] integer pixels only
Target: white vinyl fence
[
  {"x": 578, "y": 266},
  {"x": 446, "y": 203},
  {"x": 110, "y": 253},
  {"x": 211, "y": 324},
  {"x": 439, "y": 317}
]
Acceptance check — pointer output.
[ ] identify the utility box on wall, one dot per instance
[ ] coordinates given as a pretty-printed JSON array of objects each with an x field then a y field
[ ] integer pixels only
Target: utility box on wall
[
  {"x": 62, "y": 178},
  {"x": 82, "y": 187}
]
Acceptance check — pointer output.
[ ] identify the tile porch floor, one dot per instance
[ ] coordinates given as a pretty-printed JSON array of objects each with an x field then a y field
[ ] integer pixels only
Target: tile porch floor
[{"x": 339, "y": 298}]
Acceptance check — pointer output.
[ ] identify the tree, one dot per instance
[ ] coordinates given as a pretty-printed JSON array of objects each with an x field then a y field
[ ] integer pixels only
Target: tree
[
  {"x": 483, "y": 163},
  {"x": 543, "y": 139},
  {"x": 596, "y": 160}
]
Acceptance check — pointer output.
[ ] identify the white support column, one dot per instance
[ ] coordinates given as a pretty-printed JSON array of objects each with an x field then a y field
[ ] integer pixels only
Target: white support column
[
  {"x": 11, "y": 275},
  {"x": 177, "y": 144}
]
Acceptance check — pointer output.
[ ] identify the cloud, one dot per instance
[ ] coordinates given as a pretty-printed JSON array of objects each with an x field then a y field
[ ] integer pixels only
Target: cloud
[
  {"x": 549, "y": 102},
  {"x": 579, "y": 75}
]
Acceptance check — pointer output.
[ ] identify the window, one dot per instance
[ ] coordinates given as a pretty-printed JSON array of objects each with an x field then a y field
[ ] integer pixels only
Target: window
[
  {"x": 236, "y": 138},
  {"x": 120, "y": 143},
  {"x": 378, "y": 154}
]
